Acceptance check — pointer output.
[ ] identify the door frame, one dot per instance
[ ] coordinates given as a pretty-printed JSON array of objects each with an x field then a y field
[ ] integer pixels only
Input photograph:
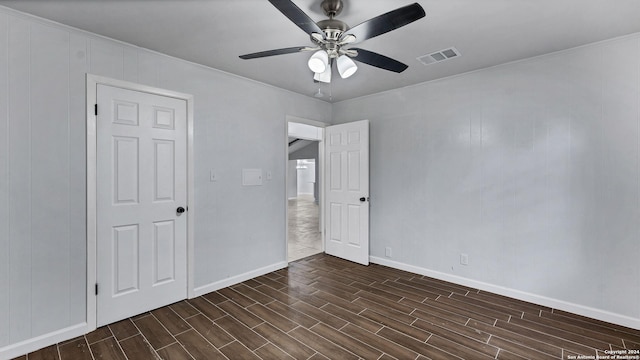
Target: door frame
[
  {"x": 318, "y": 124},
  {"x": 92, "y": 82}
]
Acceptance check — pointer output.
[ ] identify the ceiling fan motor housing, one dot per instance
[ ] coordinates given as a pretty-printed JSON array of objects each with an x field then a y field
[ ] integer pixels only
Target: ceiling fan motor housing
[
  {"x": 333, "y": 30},
  {"x": 332, "y": 7}
]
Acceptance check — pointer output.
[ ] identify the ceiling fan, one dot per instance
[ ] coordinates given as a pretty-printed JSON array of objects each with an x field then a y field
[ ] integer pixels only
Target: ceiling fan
[{"x": 332, "y": 38}]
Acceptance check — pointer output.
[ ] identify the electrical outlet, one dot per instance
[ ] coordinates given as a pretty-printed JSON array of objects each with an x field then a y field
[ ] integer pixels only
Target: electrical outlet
[
  {"x": 387, "y": 252},
  {"x": 464, "y": 259},
  {"x": 212, "y": 176}
]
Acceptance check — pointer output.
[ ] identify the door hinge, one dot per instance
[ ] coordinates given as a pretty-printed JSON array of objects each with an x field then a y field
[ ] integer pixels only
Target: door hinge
[
  {"x": 96, "y": 288},
  {"x": 96, "y": 109}
]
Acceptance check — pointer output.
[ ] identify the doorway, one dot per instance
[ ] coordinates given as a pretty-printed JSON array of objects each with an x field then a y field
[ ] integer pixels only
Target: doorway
[
  {"x": 304, "y": 201},
  {"x": 343, "y": 186},
  {"x": 305, "y": 237}
]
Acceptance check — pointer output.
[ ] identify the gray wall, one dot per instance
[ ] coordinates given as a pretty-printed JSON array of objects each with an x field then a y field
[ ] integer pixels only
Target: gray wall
[
  {"x": 531, "y": 168},
  {"x": 238, "y": 124},
  {"x": 308, "y": 152}
]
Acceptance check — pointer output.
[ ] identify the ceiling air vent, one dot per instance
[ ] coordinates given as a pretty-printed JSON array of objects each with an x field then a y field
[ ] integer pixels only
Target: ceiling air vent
[{"x": 439, "y": 56}]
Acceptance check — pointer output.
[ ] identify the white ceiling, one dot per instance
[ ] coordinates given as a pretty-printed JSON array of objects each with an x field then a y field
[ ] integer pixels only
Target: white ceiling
[{"x": 215, "y": 32}]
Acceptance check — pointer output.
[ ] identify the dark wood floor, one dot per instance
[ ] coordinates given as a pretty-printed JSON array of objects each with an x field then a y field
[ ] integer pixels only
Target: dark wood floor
[{"x": 322, "y": 307}]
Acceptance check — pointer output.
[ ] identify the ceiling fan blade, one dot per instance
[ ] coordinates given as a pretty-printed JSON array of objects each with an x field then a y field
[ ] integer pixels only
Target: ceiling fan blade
[
  {"x": 274, "y": 52},
  {"x": 378, "y": 60},
  {"x": 293, "y": 12},
  {"x": 386, "y": 22}
]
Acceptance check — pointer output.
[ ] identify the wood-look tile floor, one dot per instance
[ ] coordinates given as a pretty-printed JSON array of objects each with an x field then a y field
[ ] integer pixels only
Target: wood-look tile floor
[{"x": 322, "y": 307}]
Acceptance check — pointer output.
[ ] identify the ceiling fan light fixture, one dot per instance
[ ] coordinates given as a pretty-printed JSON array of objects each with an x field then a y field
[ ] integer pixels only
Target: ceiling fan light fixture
[
  {"x": 346, "y": 66},
  {"x": 324, "y": 77},
  {"x": 319, "y": 61}
]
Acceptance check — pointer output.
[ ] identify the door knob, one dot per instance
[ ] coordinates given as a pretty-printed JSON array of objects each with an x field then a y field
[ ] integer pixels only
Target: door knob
[
  {"x": 363, "y": 199},
  {"x": 180, "y": 210}
]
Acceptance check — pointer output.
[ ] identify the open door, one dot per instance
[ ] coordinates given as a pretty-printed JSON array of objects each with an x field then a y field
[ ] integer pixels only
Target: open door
[{"x": 347, "y": 191}]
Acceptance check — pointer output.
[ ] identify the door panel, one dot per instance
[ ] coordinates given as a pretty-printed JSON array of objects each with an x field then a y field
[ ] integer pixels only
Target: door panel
[
  {"x": 353, "y": 167},
  {"x": 125, "y": 170},
  {"x": 164, "y": 170},
  {"x": 335, "y": 222},
  {"x": 126, "y": 113},
  {"x": 335, "y": 170},
  {"x": 347, "y": 168},
  {"x": 141, "y": 181},
  {"x": 125, "y": 268},
  {"x": 353, "y": 222},
  {"x": 164, "y": 118},
  {"x": 164, "y": 243}
]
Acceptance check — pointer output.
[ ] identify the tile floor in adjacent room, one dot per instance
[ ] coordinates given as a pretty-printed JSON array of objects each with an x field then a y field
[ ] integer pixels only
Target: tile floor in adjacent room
[
  {"x": 304, "y": 228},
  {"x": 322, "y": 307}
]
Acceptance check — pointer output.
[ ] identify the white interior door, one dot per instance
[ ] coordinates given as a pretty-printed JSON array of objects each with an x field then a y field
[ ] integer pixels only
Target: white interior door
[
  {"x": 141, "y": 173},
  {"x": 347, "y": 191}
]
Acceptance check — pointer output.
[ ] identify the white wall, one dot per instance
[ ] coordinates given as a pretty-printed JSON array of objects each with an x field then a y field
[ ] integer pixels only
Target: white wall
[
  {"x": 43, "y": 169},
  {"x": 531, "y": 168},
  {"x": 311, "y": 151},
  {"x": 292, "y": 181},
  {"x": 306, "y": 176}
]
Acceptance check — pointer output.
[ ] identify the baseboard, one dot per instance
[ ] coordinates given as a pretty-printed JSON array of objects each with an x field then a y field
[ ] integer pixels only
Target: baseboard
[
  {"x": 205, "y": 289},
  {"x": 39, "y": 342},
  {"x": 516, "y": 294},
  {"x": 24, "y": 347}
]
